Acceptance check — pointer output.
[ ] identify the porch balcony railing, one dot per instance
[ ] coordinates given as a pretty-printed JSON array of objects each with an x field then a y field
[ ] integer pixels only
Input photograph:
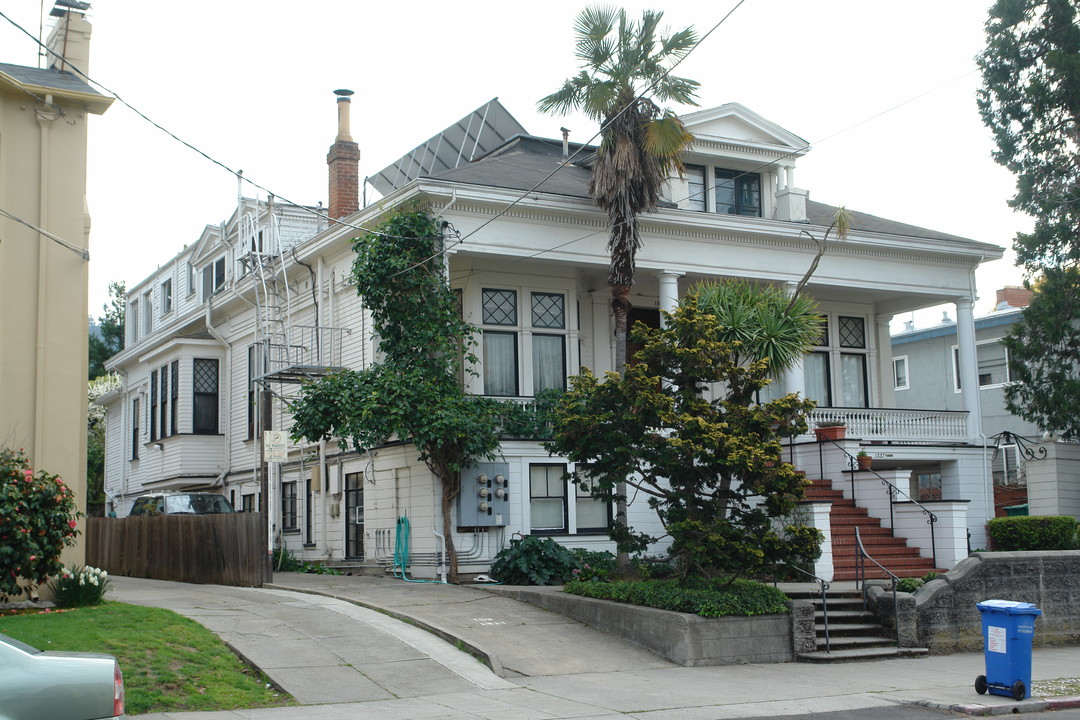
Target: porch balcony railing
[{"x": 941, "y": 426}]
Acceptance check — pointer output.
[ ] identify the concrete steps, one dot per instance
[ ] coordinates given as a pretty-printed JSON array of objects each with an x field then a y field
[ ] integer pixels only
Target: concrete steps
[{"x": 854, "y": 634}]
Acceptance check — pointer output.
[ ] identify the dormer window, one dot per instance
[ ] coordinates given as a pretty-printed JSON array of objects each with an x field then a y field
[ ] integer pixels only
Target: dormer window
[
  {"x": 213, "y": 277},
  {"x": 733, "y": 192},
  {"x": 738, "y": 193}
]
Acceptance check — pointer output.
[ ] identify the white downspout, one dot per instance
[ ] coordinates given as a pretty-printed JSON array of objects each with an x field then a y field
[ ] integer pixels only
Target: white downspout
[{"x": 440, "y": 536}]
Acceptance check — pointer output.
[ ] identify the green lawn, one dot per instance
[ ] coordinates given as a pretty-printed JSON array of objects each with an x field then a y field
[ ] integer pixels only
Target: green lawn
[{"x": 170, "y": 663}]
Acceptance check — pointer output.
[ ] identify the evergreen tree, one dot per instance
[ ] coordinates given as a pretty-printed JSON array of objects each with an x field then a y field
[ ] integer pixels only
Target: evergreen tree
[
  {"x": 111, "y": 328},
  {"x": 1030, "y": 100}
]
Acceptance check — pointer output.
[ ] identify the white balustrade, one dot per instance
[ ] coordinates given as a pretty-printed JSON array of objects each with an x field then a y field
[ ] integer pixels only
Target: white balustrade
[{"x": 896, "y": 425}]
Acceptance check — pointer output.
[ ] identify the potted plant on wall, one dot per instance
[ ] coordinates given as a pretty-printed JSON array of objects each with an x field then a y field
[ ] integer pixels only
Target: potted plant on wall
[
  {"x": 831, "y": 430},
  {"x": 864, "y": 459}
]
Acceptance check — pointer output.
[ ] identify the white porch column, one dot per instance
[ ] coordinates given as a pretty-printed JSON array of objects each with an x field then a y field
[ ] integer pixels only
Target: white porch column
[
  {"x": 669, "y": 292},
  {"x": 794, "y": 379},
  {"x": 882, "y": 362},
  {"x": 969, "y": 368}
]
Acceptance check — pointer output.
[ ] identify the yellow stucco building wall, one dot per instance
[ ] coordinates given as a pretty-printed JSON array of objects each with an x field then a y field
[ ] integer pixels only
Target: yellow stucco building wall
[{"x": 44, "y": 115}]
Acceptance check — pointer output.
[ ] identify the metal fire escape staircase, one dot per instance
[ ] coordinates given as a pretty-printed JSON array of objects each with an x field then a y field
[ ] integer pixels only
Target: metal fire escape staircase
[{"x": 288, "y": 353}]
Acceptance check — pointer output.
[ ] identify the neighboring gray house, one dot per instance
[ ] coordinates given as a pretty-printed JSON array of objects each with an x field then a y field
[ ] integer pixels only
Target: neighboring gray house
[{"x": 925, "y": 375}]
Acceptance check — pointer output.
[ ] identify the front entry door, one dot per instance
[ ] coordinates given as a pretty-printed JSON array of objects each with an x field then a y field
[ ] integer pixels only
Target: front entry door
[{"x": 354, "y": 516}]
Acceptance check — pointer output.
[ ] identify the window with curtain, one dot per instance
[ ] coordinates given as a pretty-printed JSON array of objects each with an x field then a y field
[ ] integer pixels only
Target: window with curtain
[
  {"x": 695, "y": 178},
  {"x": 853, "y": 379},
  {"x": 548, "y": 350},
  {"x": 592, "y": 515},
  {"x": 547, "y": 498},
  {"x": 816, "y": 378},
  {"x": 514, "y": 336},
  {"x": 499, "y": 308},
  {"x": 836, "y": 373},
  {"x": 500, "y": 363}
]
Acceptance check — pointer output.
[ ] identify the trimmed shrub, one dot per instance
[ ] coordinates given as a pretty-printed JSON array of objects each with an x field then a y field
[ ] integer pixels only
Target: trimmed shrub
[
  {"x": 1033, "y": 532},
  {"x": 717, "y": 598},
  {"x": 533, "y": 561}
]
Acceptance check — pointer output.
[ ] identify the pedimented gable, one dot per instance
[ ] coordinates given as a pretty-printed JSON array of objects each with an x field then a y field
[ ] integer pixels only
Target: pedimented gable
[
  {"x": 208, "y": 246},
  {"x": 732, "y": 124}
]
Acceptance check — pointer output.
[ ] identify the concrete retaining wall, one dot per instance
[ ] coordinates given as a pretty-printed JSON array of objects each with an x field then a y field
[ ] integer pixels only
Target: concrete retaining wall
[
  {"x": 949, "y": 621},
  {"x": 684, "y": 638}
]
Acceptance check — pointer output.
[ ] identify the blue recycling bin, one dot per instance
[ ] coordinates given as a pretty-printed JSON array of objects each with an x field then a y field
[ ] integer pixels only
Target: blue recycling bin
[{"x": 1008, "y": 628}]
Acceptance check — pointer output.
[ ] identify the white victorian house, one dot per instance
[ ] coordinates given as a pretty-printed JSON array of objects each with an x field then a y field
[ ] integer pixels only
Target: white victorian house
[{"x": 264, "y": 301}]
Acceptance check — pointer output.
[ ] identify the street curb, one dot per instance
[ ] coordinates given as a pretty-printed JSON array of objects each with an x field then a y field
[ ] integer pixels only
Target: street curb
[
  {"x": 477, "y": 651},
  {"x": 1024, "y": 706}
]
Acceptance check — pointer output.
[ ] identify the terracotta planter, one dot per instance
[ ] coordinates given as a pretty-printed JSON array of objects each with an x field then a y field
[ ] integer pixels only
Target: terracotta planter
[
  {"x": 833, "y": 432},
  {"x": 865, "y": 461}
]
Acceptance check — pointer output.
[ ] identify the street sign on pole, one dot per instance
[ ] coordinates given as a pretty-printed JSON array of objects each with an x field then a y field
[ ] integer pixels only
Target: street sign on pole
[{"x": 274, "y": 445}]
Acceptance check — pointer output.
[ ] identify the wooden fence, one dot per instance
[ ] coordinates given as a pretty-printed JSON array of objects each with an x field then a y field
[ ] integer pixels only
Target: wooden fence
[{"x": 217, "y": 549}]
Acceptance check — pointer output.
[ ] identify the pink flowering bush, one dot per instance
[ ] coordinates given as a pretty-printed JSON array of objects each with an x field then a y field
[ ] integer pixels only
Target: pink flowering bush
[{"x": 37, "y": 521}]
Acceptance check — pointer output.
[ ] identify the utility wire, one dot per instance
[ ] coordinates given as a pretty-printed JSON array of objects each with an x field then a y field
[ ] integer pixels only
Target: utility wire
[
  {"x": 81, "y": 252},
  {"x": 237, "y": 173}
]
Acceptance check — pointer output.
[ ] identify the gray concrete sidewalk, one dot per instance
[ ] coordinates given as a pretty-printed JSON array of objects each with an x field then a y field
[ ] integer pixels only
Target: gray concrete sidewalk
[{"x": 342, "y": 659}]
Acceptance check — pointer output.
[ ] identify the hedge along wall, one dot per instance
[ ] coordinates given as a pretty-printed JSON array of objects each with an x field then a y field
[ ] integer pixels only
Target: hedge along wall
[{"x": 945, "y": 609}]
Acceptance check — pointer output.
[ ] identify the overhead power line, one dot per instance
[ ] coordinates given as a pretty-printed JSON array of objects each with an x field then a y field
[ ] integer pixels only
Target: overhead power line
[{"x": 80, "y": 251}]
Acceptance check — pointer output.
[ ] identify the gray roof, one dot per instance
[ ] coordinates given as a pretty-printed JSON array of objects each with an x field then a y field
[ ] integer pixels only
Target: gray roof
[
  {"x": 50, "y": 78},
  {"x": 526, "y": 160},
  {"x": 822, "y": 214},
  {"x": 522, "y": 163}
]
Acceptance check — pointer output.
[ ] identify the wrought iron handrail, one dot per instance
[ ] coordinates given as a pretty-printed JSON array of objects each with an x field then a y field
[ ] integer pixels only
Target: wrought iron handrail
[
  {"x": 823, "y": 585},
  {"x": 861, "y": 556},
  {"x": 893, "y": 491}
]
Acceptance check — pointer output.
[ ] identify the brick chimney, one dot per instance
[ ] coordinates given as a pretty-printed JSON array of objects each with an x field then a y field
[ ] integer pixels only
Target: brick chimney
[
  {"x": 344, "y": 162},
  {"x": 1013, "y": 296}
]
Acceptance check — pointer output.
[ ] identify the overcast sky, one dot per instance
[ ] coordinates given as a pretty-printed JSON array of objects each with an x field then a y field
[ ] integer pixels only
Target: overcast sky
[{"x": 883, "y": 91}]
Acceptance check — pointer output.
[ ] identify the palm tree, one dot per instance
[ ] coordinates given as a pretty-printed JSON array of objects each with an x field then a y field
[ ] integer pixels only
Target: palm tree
[
  {"x": 625, "y": 73},
  {"x": 641, "y": 144},
  {"x": 767, "y": 323}
]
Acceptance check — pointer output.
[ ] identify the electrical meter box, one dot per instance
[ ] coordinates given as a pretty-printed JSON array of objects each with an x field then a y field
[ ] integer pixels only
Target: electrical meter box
[{"x": 485, "y": 495}]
